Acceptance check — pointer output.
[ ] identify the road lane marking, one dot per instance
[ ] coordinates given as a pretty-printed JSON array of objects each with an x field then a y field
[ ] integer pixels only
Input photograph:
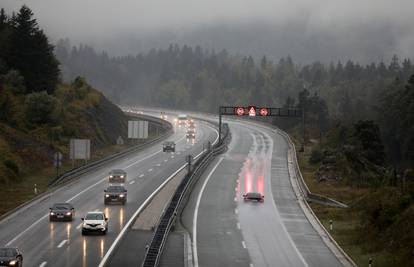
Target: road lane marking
[
  {"x": 132, "y": 182},
  {"x": 133, "y": 217},
  {"x": 243, "y": 244},
  {"x": 93, "y": 185},
  {"x": 149, "y": 170},
  {"x": 79, "y": 226},
  {"x": 142, "y": 175},
  {"x": 238, "y": 226},
  {"x": 43, "y": 264},
  {"x": 62, "y": 243},
  {"x": 236, "y": 211},
  {"x": 158, "y": 165},
  {"x": 165, "y": 160},
  {"x": 235, "y": 199},
  {"x": 251, "y": 265},
  {"x": 196, "y": 212}
]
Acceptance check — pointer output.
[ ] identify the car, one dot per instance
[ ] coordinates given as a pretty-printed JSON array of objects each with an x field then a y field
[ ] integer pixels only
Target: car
[
  {"x": 11, "y": 256},
  {"x": 168, "y": 146},
  {"x": 95, "y": 221},
  {"x": 163, "y": 116},
  {"x": 117, "y": 176},
  {"x": 182, "y": 119},
  {"x": 61, "y": 211},
  {"x": 190, "y": 134},
  {"x": 115, "y": 194},
  {"x": 253, "y": 196}
]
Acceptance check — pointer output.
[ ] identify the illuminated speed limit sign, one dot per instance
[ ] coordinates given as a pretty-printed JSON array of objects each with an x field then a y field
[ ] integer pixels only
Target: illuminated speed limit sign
[{"x": 240, "y": 111}]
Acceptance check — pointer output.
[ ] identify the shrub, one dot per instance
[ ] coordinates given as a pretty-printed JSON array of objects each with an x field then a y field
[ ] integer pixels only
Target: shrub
[{"x": 316, "y": 156}]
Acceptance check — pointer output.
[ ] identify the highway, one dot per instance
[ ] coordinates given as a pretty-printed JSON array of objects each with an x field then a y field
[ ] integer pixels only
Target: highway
[
  {"x": 45, "y": 243},
  {"x": 226, "y": 231}
]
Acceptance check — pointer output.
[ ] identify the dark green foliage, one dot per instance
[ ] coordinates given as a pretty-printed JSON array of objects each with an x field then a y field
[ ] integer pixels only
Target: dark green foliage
[
  {"x": 368, "y": 135},
  {"x": 24, "y": 47},
  {"x": 41, "y": 108},
  {"x": 11, "y": 165},
  {"x": 316, "y": 156}
]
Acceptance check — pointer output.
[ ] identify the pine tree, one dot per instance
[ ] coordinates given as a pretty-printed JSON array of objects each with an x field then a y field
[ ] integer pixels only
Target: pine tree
[{"x": 31, "y": 54}]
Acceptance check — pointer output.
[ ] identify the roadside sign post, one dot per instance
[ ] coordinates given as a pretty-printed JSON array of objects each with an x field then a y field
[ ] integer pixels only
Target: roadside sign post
[
  {"x": 189, "y": 160},
  {"x": 331, "y": 225},
  {"x": 57, "y": 161}
]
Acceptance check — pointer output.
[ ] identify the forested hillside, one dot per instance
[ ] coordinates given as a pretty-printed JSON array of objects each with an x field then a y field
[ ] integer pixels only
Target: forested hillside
[{"x": 38, "y": 114}]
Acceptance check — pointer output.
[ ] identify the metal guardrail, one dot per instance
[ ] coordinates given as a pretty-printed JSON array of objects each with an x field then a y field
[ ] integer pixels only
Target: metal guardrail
[
  {"x": 95, "y": 164},
  {"x": 154, "y": 251}
]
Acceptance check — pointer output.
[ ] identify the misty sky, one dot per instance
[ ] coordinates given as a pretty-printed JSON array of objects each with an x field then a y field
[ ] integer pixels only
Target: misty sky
[{"x": 305, "y": 29}]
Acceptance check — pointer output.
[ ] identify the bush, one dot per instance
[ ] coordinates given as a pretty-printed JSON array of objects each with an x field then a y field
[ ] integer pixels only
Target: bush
[
  {"x": 40, "y": 108},
  {"x": 316, "y": 156},
  {"x": 11, "y": 165}
]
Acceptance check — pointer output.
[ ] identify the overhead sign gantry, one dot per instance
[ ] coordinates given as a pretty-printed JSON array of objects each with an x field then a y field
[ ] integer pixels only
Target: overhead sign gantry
[{"x": 253, "y": 111}]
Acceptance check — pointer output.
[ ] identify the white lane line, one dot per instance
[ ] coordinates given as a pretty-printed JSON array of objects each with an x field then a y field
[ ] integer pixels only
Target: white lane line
[
  {"x": 43, "y": 264},
  {"x": 243, "y": 244},
  {"x": 158, "y": 165},
  {"x": 149, "y": 170},
  {"x": 196, "y": 213},
  {"x": 132, "y": 182},
  {"x": 79, "y": 226},
  {"x": 133, "y": 217},
  {"x": 236, "y": 211},
  {"x": 238, "y": 226},
  {"x": 89, "y": 187},
  {"x": 235, "y": 199},
  {"x": 165, "y": 160},
  {"x": 251, "y": 265},
  {"x": 62, "y": 243},
  {"x": 142, "y": 175}
]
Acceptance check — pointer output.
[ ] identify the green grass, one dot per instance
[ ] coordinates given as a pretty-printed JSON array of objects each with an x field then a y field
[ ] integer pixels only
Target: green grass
[
  {"x": 14, "y": 194},
  {"x": 345, "y": 221}
]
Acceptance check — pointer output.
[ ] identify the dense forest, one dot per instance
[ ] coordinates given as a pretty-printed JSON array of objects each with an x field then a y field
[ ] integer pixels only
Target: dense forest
[
  {"x": 39, "y": 114},
  {"x": 195, "y": 79}
]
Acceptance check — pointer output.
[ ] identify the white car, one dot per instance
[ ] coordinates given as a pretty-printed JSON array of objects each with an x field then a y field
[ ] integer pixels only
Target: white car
[{"x": 95, "y": 221}]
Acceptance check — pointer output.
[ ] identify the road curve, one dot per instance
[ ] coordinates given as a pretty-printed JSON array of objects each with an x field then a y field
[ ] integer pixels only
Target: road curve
[
  {"x": 231, "y": 232},
  {"x": 60, "y": 243}
]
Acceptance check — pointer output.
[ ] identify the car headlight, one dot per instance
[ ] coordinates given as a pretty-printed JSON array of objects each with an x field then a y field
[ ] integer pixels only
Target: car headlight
[
  {"x": 13, "y": 262},
  {"x": 106, "y": 195},
  {"x": 102, "y": 223},
  {"x": 121, "y": 195},
  {"x": 68, "y": 213},
  {"x": 111, "y": 176},
  {"x": 121, "y": 176},
  {"x": 52, "y": 213}
]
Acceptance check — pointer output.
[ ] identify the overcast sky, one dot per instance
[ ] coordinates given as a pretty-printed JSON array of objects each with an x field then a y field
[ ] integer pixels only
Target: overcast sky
[{"x": 100, "y": 22}]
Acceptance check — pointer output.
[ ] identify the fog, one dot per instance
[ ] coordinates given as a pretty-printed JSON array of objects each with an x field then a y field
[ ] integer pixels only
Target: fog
[{"x": 369, "y": 30}]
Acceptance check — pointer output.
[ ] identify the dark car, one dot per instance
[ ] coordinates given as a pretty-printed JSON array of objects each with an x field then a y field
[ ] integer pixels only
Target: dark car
[
  {"x": 253, "y": 196},
  {"x": 115, "y": 194},
  {"x": 61, "y": 211},
  {"x": 11, "y": 257},
  {"x": 168, "y": 147},
  {"x": 190, "y": 134},
  {"x": 117, "y": 176}
]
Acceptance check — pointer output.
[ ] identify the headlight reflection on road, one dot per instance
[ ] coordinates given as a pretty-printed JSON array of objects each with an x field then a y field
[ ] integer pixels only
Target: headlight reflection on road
[
  {"x": 84, "y": 252},
  {"x": 68, "y": 228},
  {"x": 102, "y": 247},
  {"x": 121, "y": 218},
  {"x": 52, "y": 234}
]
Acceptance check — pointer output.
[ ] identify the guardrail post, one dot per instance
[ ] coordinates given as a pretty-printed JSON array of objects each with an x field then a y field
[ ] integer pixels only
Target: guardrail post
[
  {"x": 331, "y": 225},
  {"x": 370, "y": 262}
]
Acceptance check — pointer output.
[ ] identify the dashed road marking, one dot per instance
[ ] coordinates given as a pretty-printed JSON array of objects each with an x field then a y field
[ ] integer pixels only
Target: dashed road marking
[
  {"x": 243, "y": 244},
  {"x": 79, "y": 226},
  {"x": 165, "y": 160},
  {"x": 43, "y": 264},
  {"x": 62, "y": 243},
  {"x": 236, "y": 211},
  {"x": 150, "y": 170},
  {"x": 132, "y": 182},
  {"x": 159, "y": 164},
  {"x": 142, "y": 175},
  {"x": 238, "y": 226}
]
